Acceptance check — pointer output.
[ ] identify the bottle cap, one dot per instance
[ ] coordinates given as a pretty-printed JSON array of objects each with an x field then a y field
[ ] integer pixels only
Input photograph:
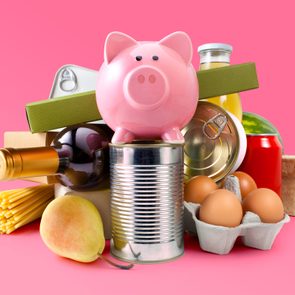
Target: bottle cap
[
  {"x": 9, "y": 164},
  {"x": 21, "y": 163},
  {"x": 215, "y": 46}
]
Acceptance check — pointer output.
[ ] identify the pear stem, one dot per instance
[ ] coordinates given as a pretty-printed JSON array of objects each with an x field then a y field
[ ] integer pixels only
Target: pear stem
[{"x": 125, "y": 267}]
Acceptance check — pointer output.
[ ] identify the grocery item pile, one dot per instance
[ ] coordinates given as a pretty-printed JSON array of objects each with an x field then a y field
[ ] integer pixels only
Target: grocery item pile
[{"x": 117, "y": 147}]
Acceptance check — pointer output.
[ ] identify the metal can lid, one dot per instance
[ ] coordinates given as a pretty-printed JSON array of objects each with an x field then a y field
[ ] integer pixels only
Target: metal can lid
[
  {"x": 215, "y": 46},
  {"x": 143, "y": 144},
  {"x": 72, "y": 79},
  {"x": 212, "y": 143}
]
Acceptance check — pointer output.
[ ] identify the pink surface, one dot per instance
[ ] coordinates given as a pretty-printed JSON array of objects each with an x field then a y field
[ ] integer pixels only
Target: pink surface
[
  {"x": 38, "y": 37},
  {"x": 28, "y": 266}
]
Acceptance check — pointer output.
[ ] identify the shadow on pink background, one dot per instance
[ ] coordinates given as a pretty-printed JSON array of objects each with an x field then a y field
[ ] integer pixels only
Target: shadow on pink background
[{"x": 37, "y": 37}]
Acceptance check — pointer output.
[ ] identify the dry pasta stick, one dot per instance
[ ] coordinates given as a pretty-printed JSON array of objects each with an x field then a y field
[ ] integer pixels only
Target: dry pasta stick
[
  {"x": 15, "y": 195},
  {"x": 11, "y": 225},
  {"x": 30, "y": 201},
  {"x": 34, "y": 206},
  {"x": 8, "y": 214},
  {"x": 26, "y": 197},
  {"x": 23, "y": 199},
  {"x": 9, "y": 229},
  {"x": 6, "y": 202},
  {"x": 24, "y": 210},
  {"x": 19, "y": 193},
  {"x": 29, "y": 217},
  {"x": 36, "y": 214},
  {"x": 35, "y": 194},
  {"x": 30, "y": 193},
  {"x": 8, "y": 199},
  {"x": 21, "y": 206}
]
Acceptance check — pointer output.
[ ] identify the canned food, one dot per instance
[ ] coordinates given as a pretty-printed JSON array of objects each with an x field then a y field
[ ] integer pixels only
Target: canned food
[
  {"x": 147, "y": 201},
  {"x": 215, "y": 143},
  {"x": 263, "y": 161},
  {"x": 71, "y": 79}
]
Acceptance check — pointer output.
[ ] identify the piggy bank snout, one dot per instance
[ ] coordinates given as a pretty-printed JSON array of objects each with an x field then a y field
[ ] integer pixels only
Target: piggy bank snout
[{"x": 146, "y": 88}]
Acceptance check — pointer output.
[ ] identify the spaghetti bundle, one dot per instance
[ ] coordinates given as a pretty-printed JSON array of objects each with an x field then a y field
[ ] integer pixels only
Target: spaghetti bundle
[{"x": 21, "y": 206}]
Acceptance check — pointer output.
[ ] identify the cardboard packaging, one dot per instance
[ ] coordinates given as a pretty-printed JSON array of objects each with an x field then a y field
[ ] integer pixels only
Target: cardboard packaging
[
  {"x": 227, "y": 80},
  {"x": 100, "y": 198},
  {"x": 25, "y": 139},
  {"x": 221, "y": 240},
  {"x": 59, "y": 112},
  {"x": 50, "y": 114},
  {"x": 288, "y": 184}
]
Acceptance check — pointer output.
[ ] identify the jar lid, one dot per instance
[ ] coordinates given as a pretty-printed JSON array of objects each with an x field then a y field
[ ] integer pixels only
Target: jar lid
[{"x": 215, "y": 46}]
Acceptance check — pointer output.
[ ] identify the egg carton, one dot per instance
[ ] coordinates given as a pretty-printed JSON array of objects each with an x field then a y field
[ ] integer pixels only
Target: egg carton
[{"x": 220, "y": 239}]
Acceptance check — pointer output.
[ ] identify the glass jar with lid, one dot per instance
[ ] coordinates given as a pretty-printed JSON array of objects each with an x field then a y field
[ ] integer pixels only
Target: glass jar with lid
[{"x": 215, "y": 55}]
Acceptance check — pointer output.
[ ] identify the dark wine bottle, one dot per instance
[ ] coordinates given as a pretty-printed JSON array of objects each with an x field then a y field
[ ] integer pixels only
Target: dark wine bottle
[{"x": 79, "y": 157}]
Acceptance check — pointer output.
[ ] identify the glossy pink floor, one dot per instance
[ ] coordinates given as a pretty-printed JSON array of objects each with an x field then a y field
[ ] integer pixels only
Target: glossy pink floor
[{"x": 28, "y": 267}]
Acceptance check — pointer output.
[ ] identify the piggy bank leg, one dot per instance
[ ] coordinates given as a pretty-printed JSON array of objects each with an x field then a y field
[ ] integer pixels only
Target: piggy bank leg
[
  {"x": 173, "y": 136},
  {"x": 122, "y": 136}
]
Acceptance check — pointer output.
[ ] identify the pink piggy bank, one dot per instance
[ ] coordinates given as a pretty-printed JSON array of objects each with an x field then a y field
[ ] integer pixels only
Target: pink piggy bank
[{"x": 147, "y": 90}]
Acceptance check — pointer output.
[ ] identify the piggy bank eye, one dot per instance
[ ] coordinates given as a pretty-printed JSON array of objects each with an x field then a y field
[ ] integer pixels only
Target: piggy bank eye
[
  {"x": 138, "y": 58},
  {"x": 155, "y": 57}
]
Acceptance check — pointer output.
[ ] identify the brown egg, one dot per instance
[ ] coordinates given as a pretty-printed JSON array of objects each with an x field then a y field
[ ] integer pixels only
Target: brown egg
[
  {"x": 247, "y": 183},
  {"x": 266, "y": 204},
  {"x": 221, "y": 207},
  {"x": 198, "y": 188}
]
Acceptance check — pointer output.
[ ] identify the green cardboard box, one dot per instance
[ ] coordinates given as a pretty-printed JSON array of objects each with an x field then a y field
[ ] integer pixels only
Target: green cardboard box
[
  {"x": 62, "y": 111},
  {"x": 227, "y": 80},
  {"x": 78, "y": 108}
]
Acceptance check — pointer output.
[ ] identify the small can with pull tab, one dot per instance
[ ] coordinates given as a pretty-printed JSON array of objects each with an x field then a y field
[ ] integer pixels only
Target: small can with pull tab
[
  {"x": 72, "y": 79},
  {"x": 215, "y": 143}
]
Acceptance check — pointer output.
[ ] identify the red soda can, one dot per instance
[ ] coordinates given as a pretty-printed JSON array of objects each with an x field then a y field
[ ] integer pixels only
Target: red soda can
[{"x": 263, "y": 161}]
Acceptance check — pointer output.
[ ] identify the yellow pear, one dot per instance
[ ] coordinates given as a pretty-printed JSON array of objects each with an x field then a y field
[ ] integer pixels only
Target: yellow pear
[{"x": 71, "y": 227}]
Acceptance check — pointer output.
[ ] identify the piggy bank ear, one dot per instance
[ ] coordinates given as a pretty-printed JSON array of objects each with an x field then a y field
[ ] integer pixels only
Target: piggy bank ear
[
  {"x": 115, "y": 43},
  {"x": 181, "y": 43}
]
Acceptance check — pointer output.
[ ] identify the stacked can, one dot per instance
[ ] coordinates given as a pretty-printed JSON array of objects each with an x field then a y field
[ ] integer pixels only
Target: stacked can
[
  {"x": 147, "y": 201},
  {"x": 263, "y": 161}
]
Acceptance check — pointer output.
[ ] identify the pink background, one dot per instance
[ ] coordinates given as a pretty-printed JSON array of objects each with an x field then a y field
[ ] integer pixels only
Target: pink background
[{"x": 37, "y": 37}]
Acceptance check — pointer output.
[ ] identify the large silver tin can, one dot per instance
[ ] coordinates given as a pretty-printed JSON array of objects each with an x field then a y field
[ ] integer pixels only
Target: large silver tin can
[{"x": 146, "y": 201}]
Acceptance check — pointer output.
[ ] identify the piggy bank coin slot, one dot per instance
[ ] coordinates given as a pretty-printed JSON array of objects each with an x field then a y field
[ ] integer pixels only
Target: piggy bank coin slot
[
  {"x": 214, "y": 127},
  {"x": 68, "y": 80}
]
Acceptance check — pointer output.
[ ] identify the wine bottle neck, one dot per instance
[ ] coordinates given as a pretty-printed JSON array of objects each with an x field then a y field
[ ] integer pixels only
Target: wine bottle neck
[{"x": 30, "y": 162}]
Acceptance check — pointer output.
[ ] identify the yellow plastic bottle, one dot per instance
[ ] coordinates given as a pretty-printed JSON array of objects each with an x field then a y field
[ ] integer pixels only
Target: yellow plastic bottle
[{"x": 215, "y": 55}]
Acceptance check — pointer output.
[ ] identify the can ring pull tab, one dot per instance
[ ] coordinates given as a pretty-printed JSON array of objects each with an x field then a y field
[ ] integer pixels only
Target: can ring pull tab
[
  {"x": 68, "y": 80},
  {"x": 217, "y": 123}
]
